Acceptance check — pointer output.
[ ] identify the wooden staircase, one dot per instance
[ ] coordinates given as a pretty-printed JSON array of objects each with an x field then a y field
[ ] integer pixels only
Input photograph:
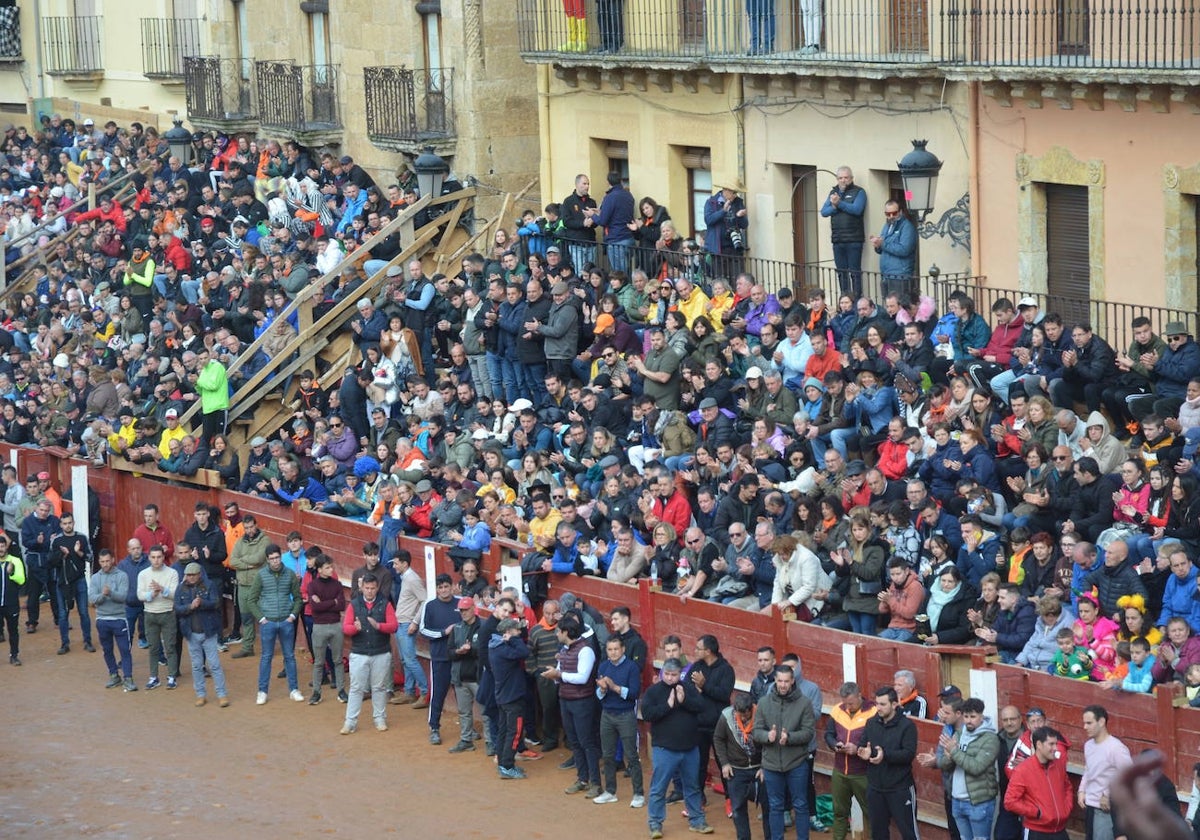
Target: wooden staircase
[{"x": 259, "y": 407}]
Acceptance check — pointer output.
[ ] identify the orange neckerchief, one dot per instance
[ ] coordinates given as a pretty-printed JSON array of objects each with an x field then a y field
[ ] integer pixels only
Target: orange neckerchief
[{"x": 748, "y": 727}]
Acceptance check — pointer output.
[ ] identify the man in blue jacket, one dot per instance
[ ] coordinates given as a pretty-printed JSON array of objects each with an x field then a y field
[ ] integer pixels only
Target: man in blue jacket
[
  {"x": 197, "y": 601},
  {"x": 506, "y": 658},
  {"x": 616, "y": 214},
  {"x": 896, "y": 245}
]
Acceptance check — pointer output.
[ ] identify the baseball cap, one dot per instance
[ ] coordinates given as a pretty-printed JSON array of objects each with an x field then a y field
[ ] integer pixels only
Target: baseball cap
[
  {"x": 466, "y": 604},
  {"x": 171, "y": 413},
  {"x": 192, "y": 569},
  {"x": 950, "y": 691},
  {"x": 754, "y": 372},
  {"x": 1035, "y": 711},
  {"x": 43, "y": 476},
  {"x": 553, "y": 249},
  {"x": 1026, "y": 302},
  {"x": 604, "y": 321}
]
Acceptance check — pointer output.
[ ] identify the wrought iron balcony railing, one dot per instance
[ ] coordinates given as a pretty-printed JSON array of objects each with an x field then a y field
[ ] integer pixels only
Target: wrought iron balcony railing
[
  {"x": 72, "y": 45},
  {"x": 297, "y": 98},
  {"x": 166, "y": 42},
  {"x": 1054, "y": 36},
  {"x": 218, "y": 89},
  {"x": 409, "y": 106}
]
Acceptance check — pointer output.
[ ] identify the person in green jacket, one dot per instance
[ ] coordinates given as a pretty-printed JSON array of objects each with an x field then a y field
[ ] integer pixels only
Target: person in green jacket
[
  {"x": 969, "y": 755},
  {"x": 248, "y": 556},
  {"x": 275, "y": 605},
  {"x": 12, "y": 578},
  {"x": 784, "y": 725},
  {"x": 213, "y": 387},
  {"x": 139, "y": 277}
]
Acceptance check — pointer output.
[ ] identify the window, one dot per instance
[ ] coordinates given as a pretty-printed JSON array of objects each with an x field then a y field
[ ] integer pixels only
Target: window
[
  {"x": 617, "y": 152},
  {"x": 431, "y": 30},
  {"x": 244, "y": 51},
  {"x": 1068, "y": 259},
  {"x": 805, "y": 211},
  {"x": 318, "y": 27},
  {"x": 698, "y": 164}
]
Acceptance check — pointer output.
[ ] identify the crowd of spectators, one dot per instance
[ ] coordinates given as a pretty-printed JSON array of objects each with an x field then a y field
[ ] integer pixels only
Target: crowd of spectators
[{"x": 875, "y": 466}]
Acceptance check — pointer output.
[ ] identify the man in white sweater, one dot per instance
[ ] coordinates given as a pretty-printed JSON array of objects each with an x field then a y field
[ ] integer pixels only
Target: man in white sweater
[{"x": 156, "y": 590}]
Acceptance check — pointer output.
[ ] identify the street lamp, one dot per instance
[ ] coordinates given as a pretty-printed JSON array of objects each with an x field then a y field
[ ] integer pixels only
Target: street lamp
[
  {"x": 919, "y": 170},
  {"x": 431, "y": 172},
  {"x": 180, "y": 141}
]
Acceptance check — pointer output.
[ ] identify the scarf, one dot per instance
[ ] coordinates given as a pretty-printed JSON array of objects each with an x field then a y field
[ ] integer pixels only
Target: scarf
[
  {"x": 938, "y": 598},
  {"x": 742, "y": 732}
]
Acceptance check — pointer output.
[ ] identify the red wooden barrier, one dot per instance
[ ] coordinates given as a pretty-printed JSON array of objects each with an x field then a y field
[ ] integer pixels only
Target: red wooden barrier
[{"x": 1139, "y": 720}]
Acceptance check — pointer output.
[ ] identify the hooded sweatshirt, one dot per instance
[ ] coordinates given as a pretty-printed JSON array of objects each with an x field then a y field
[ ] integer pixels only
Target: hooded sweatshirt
[
  {"x": 1108, "y": 451},
  {"x": 973, "y": 763}
]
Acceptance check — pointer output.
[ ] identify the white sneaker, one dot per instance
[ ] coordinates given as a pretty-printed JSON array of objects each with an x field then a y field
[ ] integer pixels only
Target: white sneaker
[
  {"x": 637, "y": 802},
  {"x": 261, "y": 698},
  {"x": 297, "y": 696},
  {"x": 605, "y": 798}
]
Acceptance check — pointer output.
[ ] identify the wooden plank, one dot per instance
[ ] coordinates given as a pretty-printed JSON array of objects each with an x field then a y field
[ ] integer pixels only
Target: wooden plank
[
  {"x": 202, "y": 478},
  {"x": 306, "y": 353}
]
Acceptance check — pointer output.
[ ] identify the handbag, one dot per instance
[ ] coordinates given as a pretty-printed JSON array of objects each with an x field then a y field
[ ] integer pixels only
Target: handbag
[{"x": 869, "y": 587}]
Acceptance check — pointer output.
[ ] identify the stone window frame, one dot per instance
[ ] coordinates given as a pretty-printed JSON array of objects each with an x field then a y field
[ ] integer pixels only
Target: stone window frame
[
  {"x": 1180, "y": 237},
  {"x": 1057, "y": 166}
]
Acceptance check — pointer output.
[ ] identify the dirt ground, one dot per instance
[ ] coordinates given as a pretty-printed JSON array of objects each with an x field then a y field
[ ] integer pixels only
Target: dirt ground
[{"x": 79, "y": 760}]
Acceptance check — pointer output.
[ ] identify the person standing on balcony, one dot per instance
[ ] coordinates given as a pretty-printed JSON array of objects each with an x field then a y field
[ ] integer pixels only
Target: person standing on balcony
[
  {"x": 579, "y": 228},
  {"x": 726, "y": 221},
  {"x": 612, "y": 25},
  {"x": 810, "y": 16},
  {"x": 577, "y": 37},
  {"x": 617, "y": 212},
  {"x": 762, "y": 26},
  {"x": 846, "y": 208},
  {"x": 896, "y": 245}
]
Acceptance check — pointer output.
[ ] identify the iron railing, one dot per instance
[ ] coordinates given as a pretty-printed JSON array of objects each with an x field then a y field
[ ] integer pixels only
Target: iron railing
[
  {"x": 10, "y": 32},
  {"x": 216, "y": 89},
  {"x": 1048, "y": 34},
  {"x": 297, "y": 98},
  {"x": 166, "y": 42},
  {"x": 409, "y": 105},
  {"x": 1112, "y": 34},
  {"x": 1109, "y": 319},
  {"x": 72, "y": 45}
]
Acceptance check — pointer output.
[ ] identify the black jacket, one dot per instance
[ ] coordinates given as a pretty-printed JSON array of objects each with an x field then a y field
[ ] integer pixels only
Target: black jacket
[
  {"x": 954, "y": 628},
  {"x": 673, "y": 727},
  {"x": 898, "y": 737},
  {"x": 719, "y": 681}
]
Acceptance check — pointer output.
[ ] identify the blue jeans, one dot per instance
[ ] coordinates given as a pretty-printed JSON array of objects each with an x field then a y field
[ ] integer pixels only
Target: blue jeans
[
  {"x": 1141, "y": 546},
  {"x": 762, "y": 26},
  {"x": 269, "y": 631},
  {"x": 582, "y": 254},
  {"x": 842, "y": 440},
  {"x": 579, "y": 720},
  {"x": 64, "y": 615},
  {"x": 864, "y": 623},
  {"x": 820, "y": 446},
  {"x": 414, "y": 674},
  {"x": 619, "y": 253},
  {"x": 203, "y": 649},
  {"x": 974, "y": 821},
  {"x": 898, "y": 635},
  {"x": 781, "y": 786},
  {"x": 667, "y": 765},
  {"x": 535, "y": 382},
  {"x": 514, "y": 381},
  {"x": 1001, "y": 382},
  {"x": 495, "y": 370},
  {"x": 190, "y": 289},
  {"x": 110, "y": 631}
]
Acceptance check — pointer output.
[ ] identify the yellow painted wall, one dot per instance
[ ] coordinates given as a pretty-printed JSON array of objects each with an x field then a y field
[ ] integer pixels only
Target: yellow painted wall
[
  {"x": 867, "y": 137},
  {"x": 656, "y": 126}
]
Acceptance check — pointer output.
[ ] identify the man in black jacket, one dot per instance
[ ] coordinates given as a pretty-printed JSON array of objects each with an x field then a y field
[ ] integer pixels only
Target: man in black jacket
[
  {"x": 714, "y": 678},
  {"x": 673, "y": 709},
  {"x": 1093, "y": 509},
  {"x": 889, "y": 745},
  {"x": 1088, "y": 368},
  {"x": 464, "y": 644}
]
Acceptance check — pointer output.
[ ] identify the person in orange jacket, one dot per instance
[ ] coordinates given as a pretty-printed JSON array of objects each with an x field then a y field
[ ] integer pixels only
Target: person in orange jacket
[{"x": 1039, "y": 791}]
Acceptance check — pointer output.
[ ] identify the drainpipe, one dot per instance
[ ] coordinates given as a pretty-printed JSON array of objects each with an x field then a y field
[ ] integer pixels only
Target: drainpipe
[
  {"x": 973, "y": 176},
  {"x": 37, "y": 34},
  {"x": 546, "y": 168}
]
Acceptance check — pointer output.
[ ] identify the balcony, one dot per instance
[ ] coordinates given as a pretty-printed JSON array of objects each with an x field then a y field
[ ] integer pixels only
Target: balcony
[
  {"x": 299, "y": 102},
  {"x": 220, "y": 96},
  {"x": 1080, "y": 40},
  {"x": 166, "y": 42},
  {"x": 72, "y": 48},
  {"x": 408, "y": 110},
  {"x": 10, "y": 34}
]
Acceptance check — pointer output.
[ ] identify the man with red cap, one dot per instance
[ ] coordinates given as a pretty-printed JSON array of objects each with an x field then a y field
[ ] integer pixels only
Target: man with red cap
[{"x": 464, "y": 672}]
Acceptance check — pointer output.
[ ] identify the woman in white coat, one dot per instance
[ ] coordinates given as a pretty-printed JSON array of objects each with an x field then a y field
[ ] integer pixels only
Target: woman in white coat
[{"x": 800, "y": 582}]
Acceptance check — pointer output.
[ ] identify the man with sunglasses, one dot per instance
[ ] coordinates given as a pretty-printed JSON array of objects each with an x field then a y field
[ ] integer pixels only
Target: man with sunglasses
[
  {"x": 1172, "y": 368},
  {"x": 896, "y": 245}
]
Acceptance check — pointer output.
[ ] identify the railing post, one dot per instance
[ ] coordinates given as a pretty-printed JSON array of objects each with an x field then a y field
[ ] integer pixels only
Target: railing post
[{"x": 92, "y": 195}]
